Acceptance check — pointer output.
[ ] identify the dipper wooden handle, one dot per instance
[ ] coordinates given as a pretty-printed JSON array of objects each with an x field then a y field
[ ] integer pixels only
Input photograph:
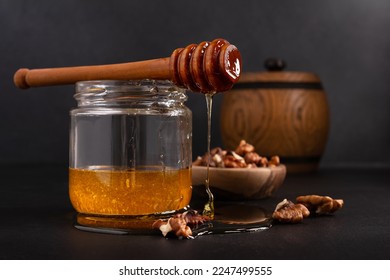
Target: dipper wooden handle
[{"x": 207, "y": 67}]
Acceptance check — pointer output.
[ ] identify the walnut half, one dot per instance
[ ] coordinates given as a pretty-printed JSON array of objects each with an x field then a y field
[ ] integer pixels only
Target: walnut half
[
  {"x": 288, "y": 212},
  {"x": 320, "y": 204}
]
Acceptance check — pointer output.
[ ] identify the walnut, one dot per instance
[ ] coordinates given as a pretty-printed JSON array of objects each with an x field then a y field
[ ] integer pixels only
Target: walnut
[
  {"x": 198, "y": 161},
  {"x": 217, "y": 151},
  {"x": 274, "y": 161},
  {"x": 176, "y": 225},
  {"x": 288, "y": 212},
  {"x": 233, "y": 160},
  {"x": 193, "y": 218},
  {"x": 263, "y": 162},
  {"x": 251, "y": 165},
  {"x": 243, "y": 156},
  {"x": 252, "y": 157},
  {"x": 217, "y": 160},
  {"x": 320, "y": 204},
  {"x": 179, "y": 224},
  {"x": 244, "y": 148},
  {"x": 216, "y": 156}
]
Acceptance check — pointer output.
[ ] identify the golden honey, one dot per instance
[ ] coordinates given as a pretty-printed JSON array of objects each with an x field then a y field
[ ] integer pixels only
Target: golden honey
[{"x": 129, "y": 192}]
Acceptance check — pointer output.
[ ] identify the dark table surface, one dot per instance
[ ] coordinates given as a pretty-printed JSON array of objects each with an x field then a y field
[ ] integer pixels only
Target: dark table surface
[{"x": 37, "y": 223}]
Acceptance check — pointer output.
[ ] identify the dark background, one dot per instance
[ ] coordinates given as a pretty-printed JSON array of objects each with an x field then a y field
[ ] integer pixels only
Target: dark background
[{"x": 345, "y": 42}]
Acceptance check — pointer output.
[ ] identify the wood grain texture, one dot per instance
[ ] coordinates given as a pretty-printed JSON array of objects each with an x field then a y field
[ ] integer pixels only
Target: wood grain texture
[
  {"x": 213, "y": 67},
  {"x": 291, "y": 123},
  {"x": 279, "y": 76},
  {"x": 152, "y": 69},
  {"x": 241, "y": 183}
]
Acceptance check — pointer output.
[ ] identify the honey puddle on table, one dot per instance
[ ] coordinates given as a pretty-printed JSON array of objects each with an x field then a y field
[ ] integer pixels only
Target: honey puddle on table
[
  {"x": 235, "y": 218},
  {"x": 228, "y": 218}
]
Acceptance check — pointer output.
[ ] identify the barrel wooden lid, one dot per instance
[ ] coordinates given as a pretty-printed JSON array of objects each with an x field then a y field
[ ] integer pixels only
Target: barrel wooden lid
[{"x": 276, "y": 77}]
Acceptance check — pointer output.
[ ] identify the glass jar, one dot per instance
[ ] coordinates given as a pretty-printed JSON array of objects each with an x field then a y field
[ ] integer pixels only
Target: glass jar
[{"x": 130, "y": 148}]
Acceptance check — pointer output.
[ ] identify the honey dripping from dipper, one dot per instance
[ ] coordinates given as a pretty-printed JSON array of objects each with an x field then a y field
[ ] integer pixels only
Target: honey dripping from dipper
[
  {"x": 229, "y": 218},
  {"x": 208, "y": 209}
]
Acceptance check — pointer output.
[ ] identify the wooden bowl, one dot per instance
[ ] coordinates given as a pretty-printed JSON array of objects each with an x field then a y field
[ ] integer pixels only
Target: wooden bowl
[{"x": 241, "y": 183}]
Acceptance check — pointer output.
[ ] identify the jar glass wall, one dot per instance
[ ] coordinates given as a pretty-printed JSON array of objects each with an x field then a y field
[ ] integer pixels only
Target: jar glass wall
[{"x": 130, "y": 148}]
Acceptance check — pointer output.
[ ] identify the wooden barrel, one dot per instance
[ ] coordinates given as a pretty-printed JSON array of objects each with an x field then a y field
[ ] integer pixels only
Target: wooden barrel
[{"x": 280, "y": 113}]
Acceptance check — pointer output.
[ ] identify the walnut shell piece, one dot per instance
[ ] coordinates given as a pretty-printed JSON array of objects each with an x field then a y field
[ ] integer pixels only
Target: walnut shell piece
[
  {"x": 320, "y": 204},
  {"x": 288, "y": 212}
]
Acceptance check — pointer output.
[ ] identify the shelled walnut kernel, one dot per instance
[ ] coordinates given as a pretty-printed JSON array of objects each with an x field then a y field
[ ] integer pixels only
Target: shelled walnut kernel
[
  {"x": 180, "y": 224},
  {"x": 320, "y": 204},
  {"x": 244, "y": 156},
  {"x": 288, "y": 212}
]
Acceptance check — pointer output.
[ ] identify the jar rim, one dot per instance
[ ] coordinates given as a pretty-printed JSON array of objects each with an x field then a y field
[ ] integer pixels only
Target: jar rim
[{"x": 98, "y": 92}]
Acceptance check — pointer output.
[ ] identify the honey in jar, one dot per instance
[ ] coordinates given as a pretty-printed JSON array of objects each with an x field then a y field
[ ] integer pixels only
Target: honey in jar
[{"x": 129, "y": 192}]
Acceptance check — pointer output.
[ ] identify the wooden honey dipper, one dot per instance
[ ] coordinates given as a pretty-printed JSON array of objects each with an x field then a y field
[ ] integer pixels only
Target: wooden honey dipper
[{"x": 207, "y": 67}]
